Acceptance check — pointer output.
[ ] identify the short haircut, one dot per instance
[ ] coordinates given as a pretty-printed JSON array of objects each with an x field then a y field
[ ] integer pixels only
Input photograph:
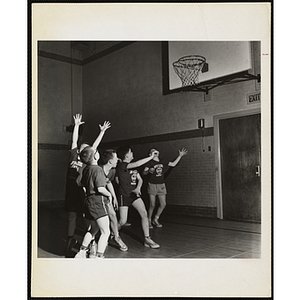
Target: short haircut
[
  {"x": 122, "y": 151},
  {"x": 152, "y": 150},
  {"x": 107, "y": 155},
  {"x": 87, "y": 155}
]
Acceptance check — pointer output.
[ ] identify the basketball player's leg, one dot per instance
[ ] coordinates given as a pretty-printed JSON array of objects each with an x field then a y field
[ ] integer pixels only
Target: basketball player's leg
[
  {"x": 103, "y": 225},
  {"x": 114, "y": 227},
  {"x": 160, "y": 209},
  {"x": 71, "y": 223},
  {"x": 152, "y": 199},
  {"x": 139, "y": 205},
  {"x": 88, "y": 237},
  {"x": 123, "y": 212}
]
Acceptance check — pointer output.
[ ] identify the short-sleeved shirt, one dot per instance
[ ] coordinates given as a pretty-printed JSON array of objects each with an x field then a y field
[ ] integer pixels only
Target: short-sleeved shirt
[
  {"x": 93, "y": 177},
  {"x": 160, "y": 168},
  {"x": 127, "y": 179}
]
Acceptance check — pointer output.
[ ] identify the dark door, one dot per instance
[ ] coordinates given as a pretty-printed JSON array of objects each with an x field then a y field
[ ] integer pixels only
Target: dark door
[{"x": 240, "y": 168}]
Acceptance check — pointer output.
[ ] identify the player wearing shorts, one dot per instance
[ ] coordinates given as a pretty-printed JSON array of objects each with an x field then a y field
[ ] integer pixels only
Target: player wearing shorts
[
  {"x": 129, "y": 185},
  {"x": 94, "y": 181},
  {"x": 108, "y": 165},
  {"x": 74, "y": 193},
  {"x": 156, "y": 169}
]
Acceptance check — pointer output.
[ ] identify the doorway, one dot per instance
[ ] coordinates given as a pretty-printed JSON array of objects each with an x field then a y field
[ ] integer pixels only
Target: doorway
[{"x": 238, "y": 140}]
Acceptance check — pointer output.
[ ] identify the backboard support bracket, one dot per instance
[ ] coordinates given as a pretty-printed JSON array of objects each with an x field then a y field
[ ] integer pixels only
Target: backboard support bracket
[{"x": 206, "y": 86}]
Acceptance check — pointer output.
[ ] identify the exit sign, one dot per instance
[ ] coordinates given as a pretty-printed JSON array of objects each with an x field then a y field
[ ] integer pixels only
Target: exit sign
[{"x": 253, "y": 98}]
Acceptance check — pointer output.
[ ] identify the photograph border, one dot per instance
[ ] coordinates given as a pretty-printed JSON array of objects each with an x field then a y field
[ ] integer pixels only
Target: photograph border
[{"x": 38, "y": 269}]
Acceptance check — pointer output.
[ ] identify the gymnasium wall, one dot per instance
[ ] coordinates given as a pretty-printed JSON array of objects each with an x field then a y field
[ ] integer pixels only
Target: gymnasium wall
[
  {"x": 59, "y": 95},
  {"x": 125, "y": 87}
]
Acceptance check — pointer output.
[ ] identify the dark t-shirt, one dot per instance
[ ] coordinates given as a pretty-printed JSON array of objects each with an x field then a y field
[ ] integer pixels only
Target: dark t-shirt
[
  {"x": 75, "y": 165},
  {"x": 160, "y": 168},
  {"x": 93, "y": 177},
  {"x": 127, "y": 179}
]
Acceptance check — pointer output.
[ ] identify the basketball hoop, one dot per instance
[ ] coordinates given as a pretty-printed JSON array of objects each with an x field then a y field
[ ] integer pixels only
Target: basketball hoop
[{"x": 188, "y": 68}]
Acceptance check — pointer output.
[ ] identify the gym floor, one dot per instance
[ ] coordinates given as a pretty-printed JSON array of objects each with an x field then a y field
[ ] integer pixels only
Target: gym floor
[{"x": 180, "y": 237}]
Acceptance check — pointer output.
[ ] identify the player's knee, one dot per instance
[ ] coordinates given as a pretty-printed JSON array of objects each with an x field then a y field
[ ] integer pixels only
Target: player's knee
[
  {"x": 163, "y": 205},
  {"x": 144, "y": 214},
  {"x": 122, "y": 222},
  {"x": 112, "y": 214},
  {"x": 105, "y": 231}
]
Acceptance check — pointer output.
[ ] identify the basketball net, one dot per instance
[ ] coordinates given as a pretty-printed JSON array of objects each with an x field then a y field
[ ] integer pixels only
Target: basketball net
[{"x": 188, "y": 67}]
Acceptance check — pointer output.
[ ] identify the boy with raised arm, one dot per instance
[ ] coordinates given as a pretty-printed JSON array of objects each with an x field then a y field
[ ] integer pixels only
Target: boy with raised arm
[
  {"x": 129, "y": 185},
  {"x": 156, "y": 170},
  {"x": 74, "y": 193},
  {"x": 94, "y": 181}
]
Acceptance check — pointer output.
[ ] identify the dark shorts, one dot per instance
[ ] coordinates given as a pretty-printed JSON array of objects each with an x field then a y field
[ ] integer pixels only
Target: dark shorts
[
  {"x": 156, "y": 189},
  {"x": 127, "y": 200},
  {"x": 74, "y": 198},
  {"x": 94, "y": 207}
]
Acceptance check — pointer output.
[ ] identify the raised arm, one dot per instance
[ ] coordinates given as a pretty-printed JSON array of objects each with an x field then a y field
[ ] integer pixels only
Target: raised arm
[
  {"x": 182, "y": 153},
  {"x": 142, "y": 161},
  {"x": 103, "y": 128},
  {"x": 77, "y": 123}
]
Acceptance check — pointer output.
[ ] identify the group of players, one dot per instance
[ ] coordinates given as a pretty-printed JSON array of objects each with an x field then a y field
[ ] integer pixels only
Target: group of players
[{"x": 90, "y": 191}]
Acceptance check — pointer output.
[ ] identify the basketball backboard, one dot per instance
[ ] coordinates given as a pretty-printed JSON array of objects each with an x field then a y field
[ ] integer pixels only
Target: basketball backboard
[{"x": 223, "y": 58}]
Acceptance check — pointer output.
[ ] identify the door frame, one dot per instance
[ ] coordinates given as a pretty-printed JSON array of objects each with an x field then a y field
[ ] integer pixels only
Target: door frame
[{"x": 218, "y": 170}]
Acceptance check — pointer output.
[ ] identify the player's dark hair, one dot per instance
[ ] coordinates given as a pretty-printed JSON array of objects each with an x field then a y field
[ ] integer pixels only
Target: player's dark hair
[
  {"x": 122, "y": 151},
  {"x": 152, "y": 150},
  {"x": 87, "y": 155},
  {"x": 107, "y": 155}
]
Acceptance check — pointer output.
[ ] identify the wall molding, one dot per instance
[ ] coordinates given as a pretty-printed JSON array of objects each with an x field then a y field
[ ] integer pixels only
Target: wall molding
[
  {"x": 160, "y": 138},
  {"x": 172, "y": 209},
  {"x": 106, "y": 52},
  {"x": 189, "y": 210},
  {"x": 87, "y": 60},
  {"x": 59, "y": 57},
  {"x": 182, "y": 135},
  {"x": 44, "y": 146}
]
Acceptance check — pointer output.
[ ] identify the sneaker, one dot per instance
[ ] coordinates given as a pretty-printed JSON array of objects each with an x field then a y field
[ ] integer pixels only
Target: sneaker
[
  {"x": 150, "y": 225},
  {"x": 99, "y": 255},
  {"x": 150, "y": 243},
  {"x": 121, "y": 244},
  {"x": 156, "y": 223},
  {"x": 92, "y": 250},
  {"x": 81, "y": 254}
]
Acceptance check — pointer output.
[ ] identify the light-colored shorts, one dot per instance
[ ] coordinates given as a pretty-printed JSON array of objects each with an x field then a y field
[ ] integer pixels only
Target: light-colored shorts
[{"x": 156, "y": 189}]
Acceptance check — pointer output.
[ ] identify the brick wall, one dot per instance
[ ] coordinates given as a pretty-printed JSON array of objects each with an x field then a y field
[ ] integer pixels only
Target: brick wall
[{"x": 192, "y": 181}]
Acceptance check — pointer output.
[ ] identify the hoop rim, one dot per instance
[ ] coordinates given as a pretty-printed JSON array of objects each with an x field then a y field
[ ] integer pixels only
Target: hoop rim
[
  {"x": 198, "y": 58},
  {"x": 193, "y": 56}
]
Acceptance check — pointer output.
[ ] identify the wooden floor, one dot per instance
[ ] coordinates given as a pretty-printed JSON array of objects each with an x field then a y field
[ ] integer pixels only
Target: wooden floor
[{"x": 180, "y": 237}]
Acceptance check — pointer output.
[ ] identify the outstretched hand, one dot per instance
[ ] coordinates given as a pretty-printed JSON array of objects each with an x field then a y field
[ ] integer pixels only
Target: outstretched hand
[
  {"x": 183, "y": 152},
  {"x": 77, "y": 119},
  {"x": 105, "y": 126}
]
